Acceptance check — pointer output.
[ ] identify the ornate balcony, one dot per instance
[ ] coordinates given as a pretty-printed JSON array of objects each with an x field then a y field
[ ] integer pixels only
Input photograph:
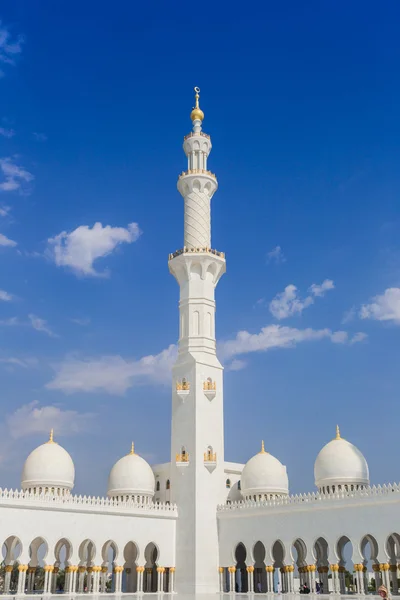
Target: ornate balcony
[
  {"x": 186, "y": 250},
  {"x": 182, "y": 460},
  {"x": 210, "y": 389},
  {"x": 198, "y": 172},
  {"x": 182, "y": 388},
  {"x": 192, "y": 134}
]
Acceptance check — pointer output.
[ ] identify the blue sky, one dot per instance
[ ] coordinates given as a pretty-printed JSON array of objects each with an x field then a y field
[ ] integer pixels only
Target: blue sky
[{"x": 302, "y": 106}]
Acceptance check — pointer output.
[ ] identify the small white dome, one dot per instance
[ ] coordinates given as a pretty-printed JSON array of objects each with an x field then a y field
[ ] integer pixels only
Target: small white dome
[
  {"x": 235, "y": 493},
  {"x": 340, "y": 463},
  {"x": 131, "y": 476},
  {"x": 264, "y": 475},
  {"x": 48, "y": 468}
]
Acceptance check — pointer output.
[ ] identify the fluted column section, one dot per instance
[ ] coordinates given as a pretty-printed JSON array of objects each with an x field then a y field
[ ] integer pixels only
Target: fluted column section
[
  {"x": 171, "y": 579},
  {"x": 250, "y": 579},
  {"x": 22, "y": 569},
  {"x": 335, "y": 579}
]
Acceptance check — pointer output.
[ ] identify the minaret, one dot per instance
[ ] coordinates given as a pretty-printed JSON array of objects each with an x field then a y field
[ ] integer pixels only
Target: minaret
[{"x": 197, "y": 436}]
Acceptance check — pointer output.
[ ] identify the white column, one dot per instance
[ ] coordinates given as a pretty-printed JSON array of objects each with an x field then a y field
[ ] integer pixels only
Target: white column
[
  {"x": 232, "y": 572},
  {"x": 385, "y": 575},
  {"x": 221, "y": 579},
  {"x": 72, "y": 579},
  {"x": 250, "y": 579},
  {"x": 335, "y": 579},
  {"x": 118, "y": 579},
  {"x": 171, "y": 585},
  {"x": 139, "y": 579},
  {"x": 54, "y": 580},
  {"x": 270, "y": 579},
  {"x": 7, "y": 578},
  {"x": 313, "y": 586},
  {"x": 21, "y": 579},
  {"x": 81, "y": 579}
]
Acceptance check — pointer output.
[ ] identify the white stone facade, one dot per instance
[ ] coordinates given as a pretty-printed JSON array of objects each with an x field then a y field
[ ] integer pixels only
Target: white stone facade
[{"x": 198, "y": 524}]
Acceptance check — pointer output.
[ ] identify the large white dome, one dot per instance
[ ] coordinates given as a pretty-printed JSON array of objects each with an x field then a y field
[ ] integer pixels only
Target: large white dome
[
  {"x": 48, "y": 468},
  {"x": 264, "y": 476},
  {"x": 131, "y": 476},
  {"x": 340, "y": 463}
]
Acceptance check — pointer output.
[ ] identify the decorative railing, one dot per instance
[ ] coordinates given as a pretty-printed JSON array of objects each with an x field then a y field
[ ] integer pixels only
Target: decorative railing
[
  {"x": 182, "y": 457},
  {"x": 197, "y": 172},
  {"x": 186, "y": 250},
  {"x": 209, "y": 386},
  {"x": 182, "y": 386},
  {"x": 375, "y": 491},
  {"x": 193, "y": 134},
  {"x": 210, "y": 457},
  {"x": 96, "y": 503}
]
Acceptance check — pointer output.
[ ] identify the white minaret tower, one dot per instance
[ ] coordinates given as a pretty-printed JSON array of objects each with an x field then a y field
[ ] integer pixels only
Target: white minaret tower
[{"x": 197, "y": 437}]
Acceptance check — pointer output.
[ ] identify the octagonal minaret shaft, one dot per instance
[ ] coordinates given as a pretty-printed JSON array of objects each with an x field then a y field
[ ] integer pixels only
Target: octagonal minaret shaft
[{"x": 197, "y": 434}]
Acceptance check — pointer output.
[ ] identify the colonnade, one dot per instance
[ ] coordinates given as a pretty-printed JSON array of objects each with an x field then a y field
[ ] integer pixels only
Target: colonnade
[
  {"x": 281, "y": 580},
  {"x": 93, "y": 580}
]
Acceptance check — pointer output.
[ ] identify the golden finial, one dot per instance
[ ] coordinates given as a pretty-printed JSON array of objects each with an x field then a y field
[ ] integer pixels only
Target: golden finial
[
  {"x": 132, "y": 448},
  {"x": 262, "y": 451},
  {"x": 337, "y": 433},
  {"x": 51, "y": 438},
  {"x": 197, "y": 114}
]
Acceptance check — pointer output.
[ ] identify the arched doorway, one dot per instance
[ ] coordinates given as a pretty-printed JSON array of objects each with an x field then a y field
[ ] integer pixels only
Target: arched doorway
[
  {"x": 87, "y": 553},
  {"x": 38, "y": 550},
  {"x": 260, "y": 576},
  {"x": 241, "y": 580},
  {"x": 299, "y": 555},
  {"x": 278, "y": 556},
  {"x": 11, "y": 551},
  {"x": 321, "y": 552},
  {"x": 393, "y": 551},
  {"x": 109, "y": 555},
  {"x": 62, "y": 553},
  {"x": 150, "y": 572},
  {"x": 369, "y": 552},
  {"x": 347, "y": 580},
  {"x": 129, "y": 583}
]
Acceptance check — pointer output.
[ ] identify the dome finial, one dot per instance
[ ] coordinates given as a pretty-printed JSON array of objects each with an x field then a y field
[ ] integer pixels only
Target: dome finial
[
  {"x": 197, "y": 114},
  {"x": 132, "y": 448},
  {"x": 262, "y": 451},
  {"x": 337, "y": 433},
  {"x": 51, "y": 437}
]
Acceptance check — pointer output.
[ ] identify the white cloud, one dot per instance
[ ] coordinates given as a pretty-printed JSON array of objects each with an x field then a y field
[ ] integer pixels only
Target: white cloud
[
  {"x": 288, "y": 303},
  {"x": 11, "y": 322},
  {"x": 9, "y": 49},
  {"x": 385, "y": 307},
  {"x": 32, "y": 419},
  {"x": 276, "y": 255},
  {"x": 83, "y": 246},
  {"x": 15, "y": 176},
  {"x": 358, "y": 337},
  {"x": 40, "y": 325},
  {"x": 5, "y": 296},
  {"x": 319, "y": 290},
  {"x": 19, "y": 362},
  {"x": 5, "y": 241},
  {"x": 112, "y": 374},
  {"x": 275, "y": 336},
  {"x": 4, "y": 210},
  {"x": 8, "y": 133}
]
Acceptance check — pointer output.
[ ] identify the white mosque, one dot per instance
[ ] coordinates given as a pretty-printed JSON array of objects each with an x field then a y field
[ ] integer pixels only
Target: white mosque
[{"x": 199, "y": 524}]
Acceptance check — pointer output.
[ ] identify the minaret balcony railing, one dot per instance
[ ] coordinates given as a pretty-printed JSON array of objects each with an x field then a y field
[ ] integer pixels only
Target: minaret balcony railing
[
  {"x": 182, "y": 459},
  {"x": 210, "y": 389},
  {"x": 182, "y": 386},
  {"x": 210, "y": 457},
  {"x": 198, "y": 172},
  {"x": 193, "y": 134},
  {"x": 186, "y": 250}
]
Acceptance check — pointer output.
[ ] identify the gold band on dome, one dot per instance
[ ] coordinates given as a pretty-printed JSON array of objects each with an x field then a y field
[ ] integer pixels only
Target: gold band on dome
[{"x": 197, "y": 114}]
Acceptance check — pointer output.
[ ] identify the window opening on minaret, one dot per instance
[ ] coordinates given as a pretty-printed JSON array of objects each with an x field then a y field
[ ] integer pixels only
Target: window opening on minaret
[
  {"x": 239, "y": 485},
  {"x": 168, "y": 485},
  {"x": 158, "y": 486},
  {"x": 228, "y": 484}
]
